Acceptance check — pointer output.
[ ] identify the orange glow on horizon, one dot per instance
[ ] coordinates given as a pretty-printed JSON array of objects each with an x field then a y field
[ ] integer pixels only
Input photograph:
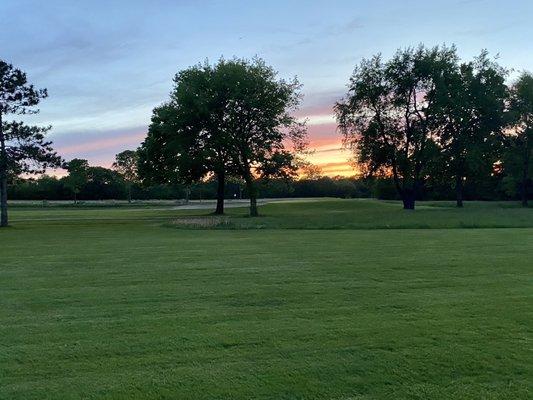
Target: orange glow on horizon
[
  {"x": 325, "y": 144},
  {"x": 325, "y": 147}
]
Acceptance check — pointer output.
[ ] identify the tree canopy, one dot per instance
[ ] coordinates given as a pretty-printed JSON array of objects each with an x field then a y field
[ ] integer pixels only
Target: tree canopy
[
  {"x": 517, "y": 159},
  {"x": 470, "y": 116},
  {"x": 264, "y": 136},
  {"x": 186, "y": 142},
  {"x": 23, "y": 148},
  {"x": 230, "y": 119},
  {"x": 423, "y": 115},
  {"x": 388, "y": 114},
  {"x": 126, "y": 164}
]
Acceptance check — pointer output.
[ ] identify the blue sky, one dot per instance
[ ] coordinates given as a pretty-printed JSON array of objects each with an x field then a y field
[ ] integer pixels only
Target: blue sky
[{"x": 106, "y": 64}]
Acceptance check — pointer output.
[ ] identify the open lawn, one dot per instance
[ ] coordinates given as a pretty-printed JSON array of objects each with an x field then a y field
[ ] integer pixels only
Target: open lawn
[{"x": 321, "y": 299}]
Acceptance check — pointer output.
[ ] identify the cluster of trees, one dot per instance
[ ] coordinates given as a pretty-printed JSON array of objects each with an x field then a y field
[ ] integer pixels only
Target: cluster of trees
[
  {"x": 424, "y": 118},
  {"x": 420, "y": 125},
  {"x": 231, "y": 121},
  {"x": 98, "y": 183},
  {"x": 107, "y": 184}
]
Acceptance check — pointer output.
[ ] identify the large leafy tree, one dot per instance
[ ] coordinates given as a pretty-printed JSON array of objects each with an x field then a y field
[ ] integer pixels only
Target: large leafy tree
[
  {"x": 23, "y": 148},
  {"x": 388, "y": 115},
  {"x": 470, "y": 114},
  {"x": 264, "y": 136},
  {"x": 125, "y": 164},
  {"x": 232, "y": 119},
  {"x": 517, "y": 161},
  {"x": 185, "y": 142}
]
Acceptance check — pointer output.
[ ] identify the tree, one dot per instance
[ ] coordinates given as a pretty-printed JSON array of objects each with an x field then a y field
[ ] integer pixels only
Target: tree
[
  {"x": 263, "y": 135},
  {"x": 517, "y": 163},
  {"x": 311, "y": 171},
  {"x": 77, "y": 175},
  {"x": 227, "y": 120},
  {"x": 23, "y": 148},
  {"x": 470, "y": 115},
  {"x": 102, "y": 184},
  {"x": 126, "y": 165},
  {"x": 185, "y": 142},
  {"x": 387, "y": 117}
]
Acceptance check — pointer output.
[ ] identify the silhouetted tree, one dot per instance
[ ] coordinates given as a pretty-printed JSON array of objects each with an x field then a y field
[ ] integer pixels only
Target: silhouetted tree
[
  {"x": 77, "y": 176},
  {"x": 311, "y": 171},
  {"x": 125, "y": 164},
  {"x": 258, "y": 120},
  {"x": 387, "y": 116},
  {"x": 23, "y": 148},
  {"x": 103, "y": 183},
  {"x": 230, "y": 119},
  {"x": 185, "y": 142},
  {"x": 517, "y": 161},
  {"x": 470, "y": 114}
]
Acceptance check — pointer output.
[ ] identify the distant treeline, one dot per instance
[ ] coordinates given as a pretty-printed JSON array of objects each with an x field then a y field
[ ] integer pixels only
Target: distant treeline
[
  {"x": 423, "y": 124},
  {"x": 106, "y": 184}
]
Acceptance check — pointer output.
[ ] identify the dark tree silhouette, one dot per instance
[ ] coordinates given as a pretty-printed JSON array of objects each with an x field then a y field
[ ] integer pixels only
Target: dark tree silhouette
[
  {"x": 264, "y": 136},
  {"x": 23, "y": 148},
  {"x": 126, "y": 165},
  {"x": 78, "y": 175},
  {"x": 520, "y": 135},
  {"x": 387, "y": 116},
  {"x": 227, "y": 120},
  {"x": 185, "y": 142},
  {"x": 470, "y": 115}
]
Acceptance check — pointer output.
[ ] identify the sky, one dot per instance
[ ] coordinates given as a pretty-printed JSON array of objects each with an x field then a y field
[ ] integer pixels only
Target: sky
[{"x": 107, "y": 64}]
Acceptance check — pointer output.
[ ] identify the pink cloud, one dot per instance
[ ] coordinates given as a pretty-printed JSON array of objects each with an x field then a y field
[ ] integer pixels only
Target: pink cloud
[{"x": 99, "y": 144}]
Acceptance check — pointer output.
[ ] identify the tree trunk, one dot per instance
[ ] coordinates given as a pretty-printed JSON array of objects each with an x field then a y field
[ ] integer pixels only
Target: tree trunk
[
  {"x": 459, "y": 191},
  {"x": 221, "y": 177},
  {"x": 408, "y": 199},
  {"x": 129, "y": 193},
  {"x": 187, "y": 194},
  {"x": 253, "y": 207},
  {"x": 3, "y": 178},
  {"x": 525, "y": 176},
  {"x": 3, "y": 194},
  {"x": 524, "y": 193},
  {"x": 252, "y": 192}
]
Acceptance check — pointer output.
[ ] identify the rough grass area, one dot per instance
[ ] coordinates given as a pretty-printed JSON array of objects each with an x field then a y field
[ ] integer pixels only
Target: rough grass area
[{"x": 119, "y": 304}]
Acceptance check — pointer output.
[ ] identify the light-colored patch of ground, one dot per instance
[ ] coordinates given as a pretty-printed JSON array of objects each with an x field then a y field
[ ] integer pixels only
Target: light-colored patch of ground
[
  {"x": 201, "y": 222},
  {"x": 209, "y": 204}
]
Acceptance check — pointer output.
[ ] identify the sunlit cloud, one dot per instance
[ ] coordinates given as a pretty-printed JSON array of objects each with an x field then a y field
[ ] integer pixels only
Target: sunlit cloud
[
  {"x": 325, "y": 143},
  {"x": 104, "y": 78},
  {"x": 102, "y": 144}
]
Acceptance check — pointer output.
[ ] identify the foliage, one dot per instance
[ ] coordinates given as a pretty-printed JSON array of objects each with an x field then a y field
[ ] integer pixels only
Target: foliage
[
  {"x": 230, "y": 119},
  {"x": 470, "y": 114},
  {"x": 425, "y": 119},
  {"x": 23, "y": 148},
  {"x": 186, "y": 141},
  {"x": 388, "y": 115},
  {"x": 259, "y": 122},
  {"x": 126, "y": 165},
  {"x": 517, "y": 164},
  {"x": 77, "y": 175}
]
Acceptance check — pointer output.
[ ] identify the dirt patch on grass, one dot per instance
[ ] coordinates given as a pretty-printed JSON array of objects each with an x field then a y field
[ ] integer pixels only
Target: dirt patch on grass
[{"x": 202, "y": 222}]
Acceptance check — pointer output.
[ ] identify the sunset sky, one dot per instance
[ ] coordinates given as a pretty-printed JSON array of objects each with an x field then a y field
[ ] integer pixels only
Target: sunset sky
[{"x": 106, "y": 64}]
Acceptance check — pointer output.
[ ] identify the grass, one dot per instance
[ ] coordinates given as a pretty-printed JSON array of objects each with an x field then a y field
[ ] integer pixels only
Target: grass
[
  {"x": 119, "y": 303},
  {"x": 372, "y": 214}
]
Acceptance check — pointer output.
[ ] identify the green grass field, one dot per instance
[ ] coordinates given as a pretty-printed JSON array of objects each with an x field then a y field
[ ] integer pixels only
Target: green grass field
[{"x": 331, "y": 299}]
